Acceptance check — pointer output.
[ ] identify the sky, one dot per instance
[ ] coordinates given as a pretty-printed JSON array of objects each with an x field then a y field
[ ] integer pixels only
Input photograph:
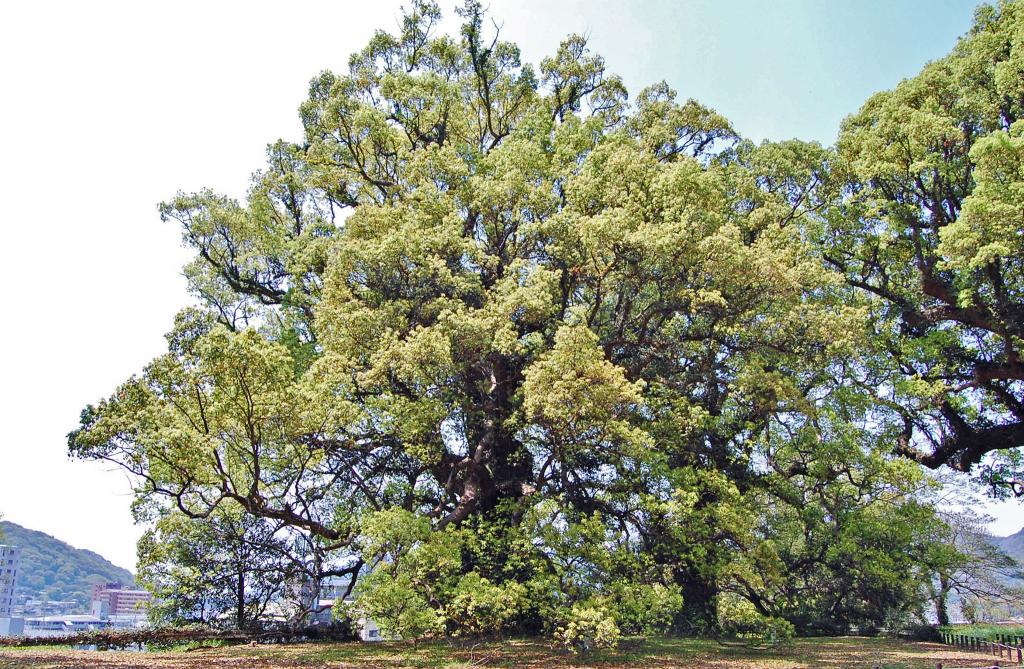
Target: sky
[{"x": 108, "y": 108}]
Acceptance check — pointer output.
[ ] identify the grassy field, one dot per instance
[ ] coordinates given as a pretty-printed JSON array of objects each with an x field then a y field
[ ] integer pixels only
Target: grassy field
[
  {"x": 840, "y": 653},
  {"x": 985, "y": 631}
]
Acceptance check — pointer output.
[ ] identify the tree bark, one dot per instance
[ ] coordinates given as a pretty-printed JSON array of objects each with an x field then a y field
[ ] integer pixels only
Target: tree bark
[
  {"x": 942, "y": 601},
  {"x": 240, "y": 594},
  {"x": 699, "y": 614}
]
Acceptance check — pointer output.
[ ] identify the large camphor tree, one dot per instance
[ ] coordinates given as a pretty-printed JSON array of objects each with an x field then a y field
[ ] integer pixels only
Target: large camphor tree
[
  {"x": 932, "y": 230},
  {"x": 511, "y": 348}
]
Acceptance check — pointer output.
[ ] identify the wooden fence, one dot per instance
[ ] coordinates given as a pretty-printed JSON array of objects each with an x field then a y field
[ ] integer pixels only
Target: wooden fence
[{"x": 1004, "y": 645}]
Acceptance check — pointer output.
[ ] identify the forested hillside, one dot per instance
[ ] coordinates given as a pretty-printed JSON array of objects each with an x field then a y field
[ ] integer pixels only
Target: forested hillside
[
  {"x": 1012, "y": 545},
  {"x": 57, "y": 570}
]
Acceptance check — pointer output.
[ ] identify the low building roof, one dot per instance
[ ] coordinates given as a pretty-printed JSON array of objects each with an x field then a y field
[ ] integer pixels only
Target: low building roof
[{"x": 73, "y": 618}]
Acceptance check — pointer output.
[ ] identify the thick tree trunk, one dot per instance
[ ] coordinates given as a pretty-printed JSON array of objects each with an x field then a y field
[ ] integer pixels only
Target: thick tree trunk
[
  {"x": 240, "y": 603},
  {"x": 510, "y": 463},
  {"x": 942, "y": 601},
  {"x": 699, "y": 614},
  {"x": 497, "y": 466}
]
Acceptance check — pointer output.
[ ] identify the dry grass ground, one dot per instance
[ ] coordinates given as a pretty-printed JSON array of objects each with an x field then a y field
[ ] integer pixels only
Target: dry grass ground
[{"x": 840, "y": 653}]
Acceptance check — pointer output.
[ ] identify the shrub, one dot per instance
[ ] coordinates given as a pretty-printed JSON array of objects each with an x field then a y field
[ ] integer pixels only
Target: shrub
[
  {"x": 481, "y": 607},
  {"x": 738, "y": 617},
  {"x": 586, "y": 629},
  {"x": 642, "y": 609},
  {"x": 396, "y": 605}
]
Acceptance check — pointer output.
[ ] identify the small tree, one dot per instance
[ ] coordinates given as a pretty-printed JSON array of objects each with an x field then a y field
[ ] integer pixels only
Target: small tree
[
  {"x": 738, "y": 617},
  {"x": 398, "y": 608},
  {"x": 587, "y": 629},
  {"x": 480, "y": 607},
  {"x": 965, "y": 562},
  {"x": 207, "y": 569}
]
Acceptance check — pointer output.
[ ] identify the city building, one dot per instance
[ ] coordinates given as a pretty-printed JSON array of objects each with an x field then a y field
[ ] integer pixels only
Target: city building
[
  {"x": 9, "y": 625},
  {"x": 115, "y": 599},
  {"x": 12, "y": 626},
  {"x": 47, "y": 626},
  {"x": 31, "y": 607},
  {"x": 365, "y": 628},
  {"x": 9, "y": 556}
]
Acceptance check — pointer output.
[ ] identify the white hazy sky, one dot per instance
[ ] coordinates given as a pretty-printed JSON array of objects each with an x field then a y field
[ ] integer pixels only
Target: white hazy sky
[{"x": 107, "y": 108}]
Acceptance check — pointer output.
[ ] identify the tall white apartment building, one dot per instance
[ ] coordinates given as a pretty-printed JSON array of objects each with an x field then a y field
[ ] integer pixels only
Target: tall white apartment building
[{"x": 8, "y": 576}]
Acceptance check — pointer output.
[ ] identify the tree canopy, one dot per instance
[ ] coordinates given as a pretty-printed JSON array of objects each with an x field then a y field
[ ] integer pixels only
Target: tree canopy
[
  {"x": 930, "y": 229},
  {"x": 515, "y": 349}
]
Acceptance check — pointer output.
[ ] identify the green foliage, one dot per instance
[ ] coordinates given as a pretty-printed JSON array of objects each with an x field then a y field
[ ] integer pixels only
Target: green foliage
[
  {"x": 393, "y": 532},
  {"x": 395, "y": 604},
  {"x": 223, "y": 570},
  {"x": 840, "y": 553},
  {"x": 479, "y": 607},
  {"x": 740, "y": 618},
  {"x": 640, "y": 609},
  {"x": 504, "y": 346},
  {"x": 986, "y": 233},
  {"x": 928, "y": 233},
  {"x": 587, "y": 629},
  {"x": 992, "y": 632}
]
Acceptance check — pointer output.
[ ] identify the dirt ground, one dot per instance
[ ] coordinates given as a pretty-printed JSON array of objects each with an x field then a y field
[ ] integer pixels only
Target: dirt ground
[{"x": 840, "y": 653}]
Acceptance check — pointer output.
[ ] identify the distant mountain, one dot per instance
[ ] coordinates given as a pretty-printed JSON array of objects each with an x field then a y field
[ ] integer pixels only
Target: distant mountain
[
  {"x": 1012, "y": 545},
  {"x": 54, "y": 570}
]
